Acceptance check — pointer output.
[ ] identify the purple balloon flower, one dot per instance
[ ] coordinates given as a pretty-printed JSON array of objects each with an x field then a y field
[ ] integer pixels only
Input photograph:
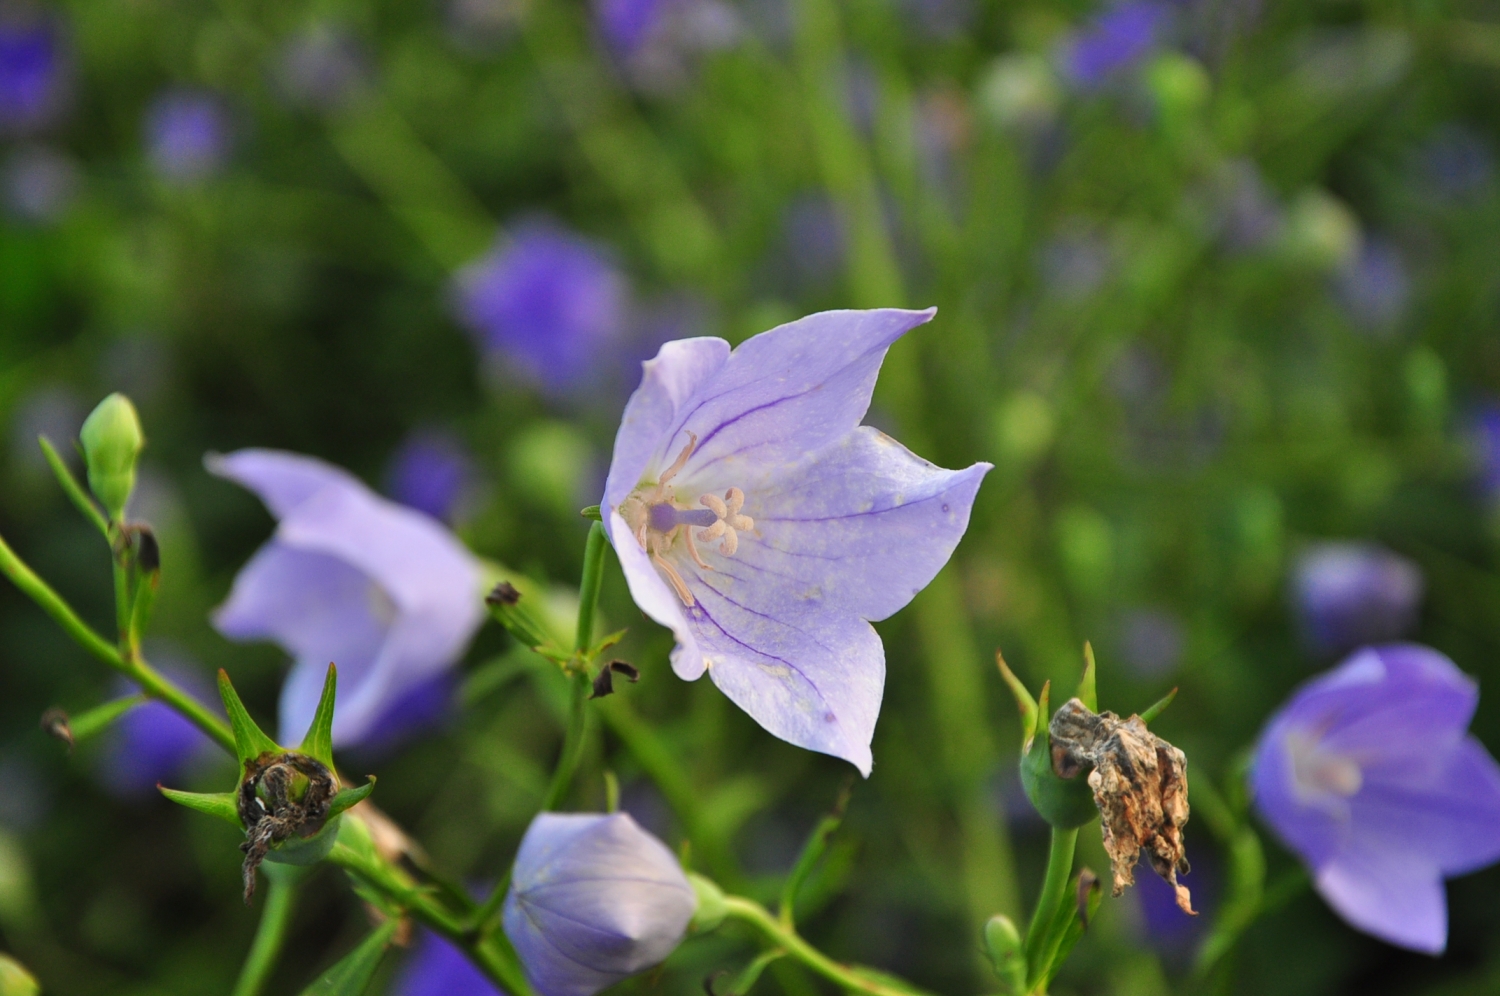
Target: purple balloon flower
[
  {"x": 1484, "y": 445},
  {"x": 154, "y": 743},
  {"x": 1115, "y": 41},
  {"x": 383, "y": 591},
  {"x": 1347, "y": 594},
  {"x": 1368, "y": 774},
  {"x": 755, "y": 517},
  {"x": 1373, "y": 286},
  {"x": 323, "y": 68},
  {"x": 593, "y": 899},
  {"x": 437, "y": 968},
  {"x": 430, "y": 472},
  {"x": 548, "y": 300},
  {"x": 33, "y": 77},
  {"x": 187, "y": 135}
]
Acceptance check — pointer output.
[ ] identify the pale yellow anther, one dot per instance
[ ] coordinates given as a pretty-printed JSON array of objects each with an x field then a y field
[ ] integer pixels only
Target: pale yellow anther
[
  {"x": 637, "y": 510},
  {"x": 715, "y": 504}
]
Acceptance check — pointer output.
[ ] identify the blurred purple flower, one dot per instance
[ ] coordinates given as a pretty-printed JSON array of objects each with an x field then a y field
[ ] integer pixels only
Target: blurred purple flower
[
  {"x": 33, "y": 71},
  {"x": 153, "y": 743},
  {"x": 187, "y": 135},
  {"x": 814, "y": 524},
  {"x": 39, "y": 183},
  {"x": 941, "y": 19},
  {"x": 548, "y": 300},
  {"x": 1346, "y": 594},
  {"x": 1165, "y": 927},
  {"x": 627, "y": 25},
  {"x": 655, "y": 41},
  {"x": 323, "y": 68},
  {"x": 1455, "y": 162},
  {"x": 1113, "y": 42},
  {"x": 436, "y": 968},
  {"x": 1151, "y": 643},
  {"x": 593, "y": 899},
  {"x": 417, "y": 712},
  {"x": 379, "y": 589},
  {"x": 1248, "y": 215},
  {"x": 1484, "y": 441},
  {"x": 430, "y": 471},
  {"x": 1373, "y": 286},
  {"x": 1368, "y": 774},
  {"x": 814, "y": 241},
  {"x": 1076, "y": 262}
]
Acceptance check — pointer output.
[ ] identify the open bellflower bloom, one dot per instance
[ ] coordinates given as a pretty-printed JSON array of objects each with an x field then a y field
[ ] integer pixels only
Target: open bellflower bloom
[
  {"x": 1347, "y": 594},
  {"x": 593, "y": 899},
  {"x": 1369, "y": 775},
  {"x": 757, "y": 519},
  {"x": 1116, "y": 41},
  {"x": 187, "y": 136},
  {"x": 382, "y": 590}
]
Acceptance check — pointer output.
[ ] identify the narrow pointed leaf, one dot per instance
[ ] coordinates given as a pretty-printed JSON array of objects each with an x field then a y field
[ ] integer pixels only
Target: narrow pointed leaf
[
  {"x": 220, "y": 804},
  {"x": 1088, "y": 688},
  {"x": 351, "y": 974},
  {"x": 318, "y": 744},
  {"x": 812, "y": 853},
  {"x": 1043, "y": 709},
  {"x": 348, "y": 798},
  {"x": 1024, "y": 702},
  {"x": 1070, "y": 924},
  {"x": 1157, "y": 707},
  {"x": 250, "y": 741},
  {"x": 749, "y": 975},
  {"x": 71, "y": 487},
  {"x": 87, "y": 724}
]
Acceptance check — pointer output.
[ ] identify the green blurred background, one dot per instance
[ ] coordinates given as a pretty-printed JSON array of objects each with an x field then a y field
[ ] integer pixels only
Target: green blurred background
[{"x": 1208, "y": 294}]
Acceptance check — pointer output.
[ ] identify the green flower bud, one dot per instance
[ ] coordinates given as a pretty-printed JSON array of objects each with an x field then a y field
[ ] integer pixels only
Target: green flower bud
[
  {"x": 15, "y": 980},
  {"x": 1002, "y": 943},
  {"x": 711, "y": 907},
  {"x": 112, "y": 440}
]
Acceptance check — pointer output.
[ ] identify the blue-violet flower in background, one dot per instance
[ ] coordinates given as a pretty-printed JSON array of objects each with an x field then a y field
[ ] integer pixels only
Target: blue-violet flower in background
[
  {"x": 436, "y": 968},
  {"x": 154, "y": 743},
  {"x": 547, "y": 300},
  {"x": 1115, "y": 41},
  {"x": 1373, "y": 286},
  {"x": 187, "y": 135},
  {"x": 755, "y": 517},
  {"x": 1369, "y": 775},
  {"x": 33, "y": 71},
  {"x": 1347, "y": 594},
  {"x": 383, "y": 591},
  {"x": 430, "y": 471},
  {"x": 593, "y": 899}
]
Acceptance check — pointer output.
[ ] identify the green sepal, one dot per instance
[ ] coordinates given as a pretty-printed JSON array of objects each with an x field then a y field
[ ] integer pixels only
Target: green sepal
[
  {"x": 250, "y": 741},
  {"x": 307, "y": 850},
  {"x": 1158, "y": 707},
  {"x": 96, "y": 720},
  {"x": 1024, "y": 702},
  {"x": 593, "y": 512},
  {"x": 1065, "y": 803},
  {"x": 711, "y": 909},
  {"x": 347, "y": 799},
  {"x": 1087, "y": 687},
  {"x": 1002, "y": 943},
  {"x": 318, "y": 744},
  {"x": 351, "y": 974},
  {"x": 224, "y": 805}
]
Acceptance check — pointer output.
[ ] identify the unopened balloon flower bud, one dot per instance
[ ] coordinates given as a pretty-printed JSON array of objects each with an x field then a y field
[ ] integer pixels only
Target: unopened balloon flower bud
[{"x": 112, "y": 441}]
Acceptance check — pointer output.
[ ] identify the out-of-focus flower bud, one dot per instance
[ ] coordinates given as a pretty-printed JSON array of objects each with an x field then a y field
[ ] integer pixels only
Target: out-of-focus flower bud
[
  {"x": 593, "y": 899},
  {"x": 1180, "y": 85},
  {"x": 1002, "y": 943},
  {"x": 112, "y": 441},
  {"x": 1321, "y": 232},
  {"x": 1347, "y": 594},
  {"x": 15, "y": 980}
]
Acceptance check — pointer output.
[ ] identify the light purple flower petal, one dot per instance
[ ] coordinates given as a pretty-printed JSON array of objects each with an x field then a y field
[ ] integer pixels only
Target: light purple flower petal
[
  {"x": 847, "y": 527},
  {"x": 377, "y": 588},
  {"x": 437, "y": 968},
  {"x": 1368, "y": 775},
  {"x": 593, "y": 899}
]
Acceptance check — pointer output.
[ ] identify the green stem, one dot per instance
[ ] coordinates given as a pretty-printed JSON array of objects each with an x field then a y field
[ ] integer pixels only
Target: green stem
[
  {"x": 152, "y": 683},
  {"x": 1054, "y": 885},
  {"x": 588, "y": 587},
  {"x": 120, "y": 560},
  {"x": 780, "y": 935},
  {"x": 275, "y": 920}
]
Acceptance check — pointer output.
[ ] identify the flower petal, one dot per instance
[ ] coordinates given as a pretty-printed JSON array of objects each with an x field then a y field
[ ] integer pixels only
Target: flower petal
[
  {"x": 861, "y": 526},
  {"x": 667, "y": 381},
  {"x": 282, "y": 480},
  {"x": 1449, "y": 815},
  {"x": 788, "y": 392},
  {"x": 654, "y": 598},
  {"x": 814, "y": 679},
  {"x": 1393, "y": 896},
  {"x": 1316, "y": 833}
]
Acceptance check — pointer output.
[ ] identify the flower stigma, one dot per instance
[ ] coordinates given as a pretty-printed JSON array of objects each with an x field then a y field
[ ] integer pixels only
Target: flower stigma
[
  {"x": 657, "y": 519},
  {"x": 1319, "y": 776}
]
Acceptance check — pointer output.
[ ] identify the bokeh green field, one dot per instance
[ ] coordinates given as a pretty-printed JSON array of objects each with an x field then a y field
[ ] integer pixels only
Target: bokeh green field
[{"x": 1238, "y": 297}]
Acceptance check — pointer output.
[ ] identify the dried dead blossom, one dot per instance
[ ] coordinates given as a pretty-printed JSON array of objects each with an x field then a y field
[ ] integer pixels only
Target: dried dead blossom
[
  {"x": 1140, "y": 786},
  {"x": 281, "y": 796}
]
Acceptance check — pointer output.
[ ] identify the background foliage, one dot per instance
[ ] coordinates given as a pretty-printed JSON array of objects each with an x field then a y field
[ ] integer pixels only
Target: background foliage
[{"x": 1236, "y": 296}]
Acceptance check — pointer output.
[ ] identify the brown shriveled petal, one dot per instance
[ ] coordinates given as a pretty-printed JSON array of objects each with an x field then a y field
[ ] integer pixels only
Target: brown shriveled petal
[
  {"x": 272, "y": 813},
  {"x": 1140, "y": 786}
]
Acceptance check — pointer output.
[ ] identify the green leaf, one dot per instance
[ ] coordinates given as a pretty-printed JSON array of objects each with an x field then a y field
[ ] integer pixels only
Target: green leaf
[
  {"x": 348, "y": 798},
  {"x": 812, "y": 852},
  {"x": 593, "y": 512},
  {"x": 1158, "y": 706},
  {"x": 71, "y": 487},
  {"x": 1084, "y": 897},
  {"x": 749, "y": 975},
  {"x": 351, "y": 974},
  {"x": 1087, "y": 687},
  {"x": 250, "y": 741},
  {"x": 318, "y": 744},
  {"x": 220, "y": 804},
  {"x": 1024, "y": 701},
  {"x": 97, "y": 719}
]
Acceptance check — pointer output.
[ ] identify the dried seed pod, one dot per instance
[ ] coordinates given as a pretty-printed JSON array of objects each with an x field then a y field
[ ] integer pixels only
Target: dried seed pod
[{"x": 1140, "y": 786}]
